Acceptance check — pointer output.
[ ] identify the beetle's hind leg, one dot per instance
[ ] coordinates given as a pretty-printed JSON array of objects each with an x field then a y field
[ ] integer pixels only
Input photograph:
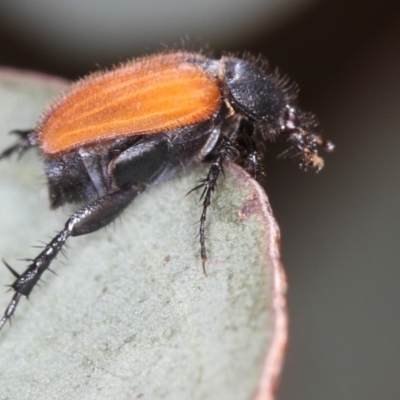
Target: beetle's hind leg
[
  {"x": 26, "y": 140},
  {"x": 89, "y": 218}
]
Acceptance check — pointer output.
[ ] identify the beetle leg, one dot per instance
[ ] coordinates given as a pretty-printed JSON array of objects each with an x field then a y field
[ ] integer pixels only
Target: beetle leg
[
  {"x": 209, "y": 183},
  {"x": 89, "y": 218},
  {"x": 250, "y": 158},
  {"x": 27, "y": 139},
  {"x": 253, "y": 158}
]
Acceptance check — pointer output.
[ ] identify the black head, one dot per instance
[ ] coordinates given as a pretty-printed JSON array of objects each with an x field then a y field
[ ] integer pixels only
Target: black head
[
  {"x": 267, "y": 101},
  {"x": 301, "y": 131}
]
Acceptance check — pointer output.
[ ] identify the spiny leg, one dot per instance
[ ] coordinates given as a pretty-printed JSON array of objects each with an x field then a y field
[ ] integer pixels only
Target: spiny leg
[
  {"x": 27, "y": 139},
  {"x": 89, "y": 218},
  {"x": 209, "y": 184}
]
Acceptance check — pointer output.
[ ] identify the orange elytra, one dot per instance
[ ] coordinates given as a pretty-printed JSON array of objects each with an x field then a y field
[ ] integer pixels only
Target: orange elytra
[{"x": 145, "y": 96}]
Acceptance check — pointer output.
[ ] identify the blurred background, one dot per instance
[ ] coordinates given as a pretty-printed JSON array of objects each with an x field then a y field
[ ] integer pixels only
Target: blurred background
[{"x": 340, "y": 228}]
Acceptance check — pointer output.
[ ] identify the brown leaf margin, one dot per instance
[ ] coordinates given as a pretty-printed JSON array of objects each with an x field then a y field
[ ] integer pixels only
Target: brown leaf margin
[{"x": 274, "y": 358}]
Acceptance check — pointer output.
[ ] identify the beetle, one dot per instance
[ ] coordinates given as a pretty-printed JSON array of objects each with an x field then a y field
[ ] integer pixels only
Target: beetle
[{"x": 114, "y": 133}]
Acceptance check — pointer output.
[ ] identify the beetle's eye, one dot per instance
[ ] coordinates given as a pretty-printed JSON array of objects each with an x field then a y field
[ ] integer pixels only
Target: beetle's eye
[{"x": 291, "y": 123}]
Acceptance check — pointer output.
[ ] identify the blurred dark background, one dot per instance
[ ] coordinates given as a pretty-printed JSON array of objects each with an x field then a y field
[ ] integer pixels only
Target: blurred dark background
[{"x": 340, "y": 228}]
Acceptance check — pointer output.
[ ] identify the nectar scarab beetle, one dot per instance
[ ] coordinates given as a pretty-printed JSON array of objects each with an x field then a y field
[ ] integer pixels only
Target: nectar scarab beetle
[{"x": 114, "y": 133}]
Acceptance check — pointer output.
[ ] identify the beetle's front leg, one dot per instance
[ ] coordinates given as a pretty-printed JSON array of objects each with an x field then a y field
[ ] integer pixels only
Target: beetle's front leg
[{"x": 88, "y": 219}]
